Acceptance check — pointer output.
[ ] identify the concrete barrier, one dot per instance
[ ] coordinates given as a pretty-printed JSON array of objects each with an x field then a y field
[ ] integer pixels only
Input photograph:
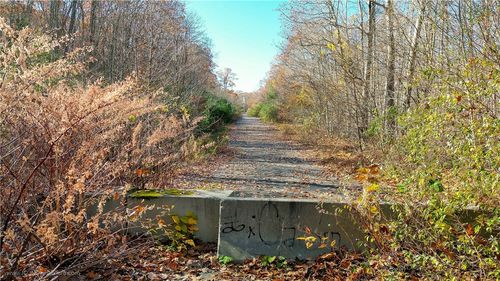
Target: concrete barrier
[
  {"x": 252, "y": 227},
  {"x": 205, "y": 205},
  {"x": 247, "y": 227},
  {"x": 110, "y": 207}
]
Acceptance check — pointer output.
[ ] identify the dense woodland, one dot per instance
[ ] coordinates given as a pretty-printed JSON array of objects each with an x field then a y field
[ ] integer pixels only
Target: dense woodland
[
  {"x": 346, "y": 64},
  {"x": 100, "y": 97},
  {"x": 415, "y": 79},
  {"x": 413, "y": 88},
  {"x": 158, "y": 41}
]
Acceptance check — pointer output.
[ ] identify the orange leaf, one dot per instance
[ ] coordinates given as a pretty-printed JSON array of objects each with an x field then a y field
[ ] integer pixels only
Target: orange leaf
[
  {"x": 173, "y": 265},
  {"x": 327, "y": 256},
  {"x": 161, "y": 222},
  {"x": 448, "y": 253},
  {"x": 139, "y": 209},
  {"x": 361, "y": 177},
  {"x": 374, "y": 169},
  {"x": 469, "y": 230},
  {"x": 345, "y": 263},
  {"x": 308, "y": 230},
  {"x": 42, "y": 269}
]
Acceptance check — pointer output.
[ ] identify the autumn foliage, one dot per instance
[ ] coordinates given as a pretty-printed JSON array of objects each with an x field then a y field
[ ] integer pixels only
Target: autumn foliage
[
  {"x": 411, "y": 88},
  {"x": 66, "y": 148}
]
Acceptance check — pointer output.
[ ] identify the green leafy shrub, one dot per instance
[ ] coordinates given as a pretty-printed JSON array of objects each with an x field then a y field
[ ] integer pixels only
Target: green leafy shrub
[
  {"x": 210, "y": 133},
  {"x": 184, "y": 229},
  {"x": 278, "y": 261},
  {"x": 218, "y": 112},
  {"x": 254, "y": 110},
  {"x": 451, "y": 136},
  {"x": 225, "y": 260},
  {"x": 269, "y": 112},
  {"x": 447, "y": 157}
]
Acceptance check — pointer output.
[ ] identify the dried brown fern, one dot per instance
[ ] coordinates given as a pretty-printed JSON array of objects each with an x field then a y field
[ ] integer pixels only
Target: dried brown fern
[{"x": 66, "y": 147}]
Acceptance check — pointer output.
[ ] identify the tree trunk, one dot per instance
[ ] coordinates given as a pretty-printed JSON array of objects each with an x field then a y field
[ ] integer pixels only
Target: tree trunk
[
  {"x": 413, "y": 55},
  {"x": 54, "y": 14},
  {"x": 72, "y": 22},
  {"x": 389, "y": 86},
  {"x": 92, "y": 23},
  {"x": 368, "y": 66}
]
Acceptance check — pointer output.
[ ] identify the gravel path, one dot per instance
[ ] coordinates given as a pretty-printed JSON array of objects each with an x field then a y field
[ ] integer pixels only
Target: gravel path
[{"x": 265, "y": 165}]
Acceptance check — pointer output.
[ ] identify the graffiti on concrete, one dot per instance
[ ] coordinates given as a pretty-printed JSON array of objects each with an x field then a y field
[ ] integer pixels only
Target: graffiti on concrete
[{"x": 270, "y": 228}]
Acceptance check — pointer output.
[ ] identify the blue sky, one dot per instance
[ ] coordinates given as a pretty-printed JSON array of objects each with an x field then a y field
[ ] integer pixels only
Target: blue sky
[{"x": 245, "y": 36}]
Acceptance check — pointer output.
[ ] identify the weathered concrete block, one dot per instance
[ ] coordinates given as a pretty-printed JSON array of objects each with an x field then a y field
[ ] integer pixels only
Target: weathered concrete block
[
  {"x": 110, "y": 207},
  {"x": 203, "y": 204},
  {"x": 273, "y": 227},
  {"x": 246, "y": 227}
]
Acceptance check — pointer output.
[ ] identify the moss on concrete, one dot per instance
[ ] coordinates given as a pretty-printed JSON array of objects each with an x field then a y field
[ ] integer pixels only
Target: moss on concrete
[{"x": 153, "y": 193}]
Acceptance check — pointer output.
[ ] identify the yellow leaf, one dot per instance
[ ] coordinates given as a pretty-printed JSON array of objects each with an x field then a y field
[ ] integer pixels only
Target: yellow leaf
[
  {"x": 192, "y": 221},
  {"x": 311, "y": 238},
  {"x": 190, "y": 242},
  {"x": 333, "y": 243},
  {"x": 175, "y": 219},
  {"x": 373, "y": 209},
  {"x": 178, "y": 228},
  {"x": 322, "y": 245},
  {"x": 309, "y": 244},
  {"x": 373, "y": 187},
  {"x": 363, "y": 170}
]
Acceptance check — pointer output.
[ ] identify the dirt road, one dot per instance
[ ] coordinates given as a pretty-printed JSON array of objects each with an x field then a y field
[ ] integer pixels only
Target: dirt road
[{"x": 263, "y": 164}]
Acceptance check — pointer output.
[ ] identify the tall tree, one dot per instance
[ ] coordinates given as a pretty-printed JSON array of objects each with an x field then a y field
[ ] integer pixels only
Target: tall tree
[
  {"x": 413, "y": 53},
  {"x": 391, "y": 61},
  {"x": 367, "y": 79},
  {"x": 227, "y": 78}
]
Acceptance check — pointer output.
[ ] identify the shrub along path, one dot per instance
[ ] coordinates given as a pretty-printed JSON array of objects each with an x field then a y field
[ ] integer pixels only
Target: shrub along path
[{"x": 262, "y": 164}]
